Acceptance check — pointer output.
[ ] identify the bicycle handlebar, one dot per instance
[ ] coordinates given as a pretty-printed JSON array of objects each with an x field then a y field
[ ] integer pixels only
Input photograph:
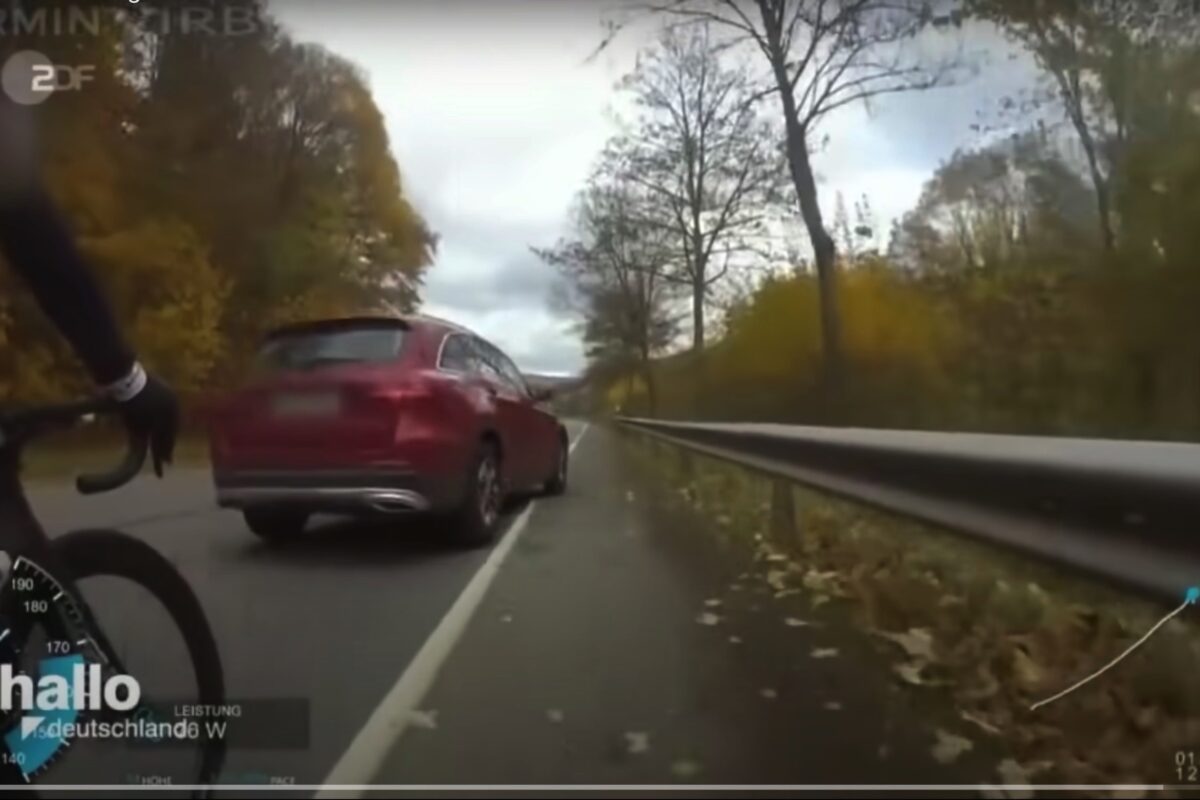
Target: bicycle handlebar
[
  {"x": 118, "y": 476},
  {"x": 24, "y": 425}
]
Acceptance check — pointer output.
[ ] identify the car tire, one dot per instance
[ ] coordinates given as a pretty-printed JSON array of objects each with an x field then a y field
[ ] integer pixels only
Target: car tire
[
  {"x": 557, "y": 483},
  {"x": 478, "y": 517},
  {"x": 274, "y": 524}
]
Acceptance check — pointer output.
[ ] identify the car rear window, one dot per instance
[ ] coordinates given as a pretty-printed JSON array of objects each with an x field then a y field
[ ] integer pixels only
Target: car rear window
[{"x": 311, "y": 349}]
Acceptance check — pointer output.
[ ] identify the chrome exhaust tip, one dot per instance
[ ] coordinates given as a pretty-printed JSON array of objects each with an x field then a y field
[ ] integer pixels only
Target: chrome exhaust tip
[{"x": 391, "y": 503}]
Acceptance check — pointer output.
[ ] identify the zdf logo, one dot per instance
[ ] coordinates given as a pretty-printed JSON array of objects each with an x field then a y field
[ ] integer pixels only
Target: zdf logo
[{"x": 29, "y": 77}]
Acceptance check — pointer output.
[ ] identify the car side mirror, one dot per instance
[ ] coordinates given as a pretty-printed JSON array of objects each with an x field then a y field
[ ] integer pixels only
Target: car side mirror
[{"x": 541, "y": 395}]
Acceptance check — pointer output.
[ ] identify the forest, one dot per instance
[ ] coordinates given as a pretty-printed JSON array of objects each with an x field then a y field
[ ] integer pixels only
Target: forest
[
  {"x": 220, "y": 181},
  {"x": 1045, "y": 282}
]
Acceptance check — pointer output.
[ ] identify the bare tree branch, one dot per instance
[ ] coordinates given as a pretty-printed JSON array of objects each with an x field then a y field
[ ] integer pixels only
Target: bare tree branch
[{"x": 687, "y": 9}]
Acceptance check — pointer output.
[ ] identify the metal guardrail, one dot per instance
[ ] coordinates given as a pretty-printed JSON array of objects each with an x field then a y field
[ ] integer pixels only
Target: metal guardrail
[{"x": 1128, "y": 511}]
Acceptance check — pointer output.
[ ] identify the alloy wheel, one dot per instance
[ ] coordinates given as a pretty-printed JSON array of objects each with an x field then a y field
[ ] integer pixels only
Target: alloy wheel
[{"x": 489, "y": 491}]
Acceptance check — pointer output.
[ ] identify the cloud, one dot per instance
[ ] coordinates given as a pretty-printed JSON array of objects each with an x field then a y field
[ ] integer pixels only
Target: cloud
[
  {"x": 495, "y": 114},
  {"x": 537, "y": 339},
  {"x": 888, "y": 148},
  {"x": 519, "y": 284}
]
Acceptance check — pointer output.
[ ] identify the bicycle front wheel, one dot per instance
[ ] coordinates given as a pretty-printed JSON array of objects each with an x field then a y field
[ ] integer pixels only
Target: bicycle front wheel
[{"x": 99, "y": 553}]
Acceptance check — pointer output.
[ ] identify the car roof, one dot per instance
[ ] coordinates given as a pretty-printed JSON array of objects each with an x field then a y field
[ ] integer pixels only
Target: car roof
[
  {"x": 334, "y": 323},
  {"x": 438, "y": 322},
  {"x": 382, "y": 320}
]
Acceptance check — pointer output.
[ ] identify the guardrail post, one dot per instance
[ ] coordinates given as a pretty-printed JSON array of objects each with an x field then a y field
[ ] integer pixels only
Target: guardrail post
[
  {"x": 687, "y": 465},
  {"x": 783, "y": 512}
]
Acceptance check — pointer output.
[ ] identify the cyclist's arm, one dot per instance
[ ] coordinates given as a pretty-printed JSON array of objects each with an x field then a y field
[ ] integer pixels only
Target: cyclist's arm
[{"x": 38, "y": 245}]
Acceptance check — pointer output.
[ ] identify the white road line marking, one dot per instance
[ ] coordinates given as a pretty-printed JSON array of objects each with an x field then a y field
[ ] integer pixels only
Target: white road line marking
[{"x": 370, "y": 746}]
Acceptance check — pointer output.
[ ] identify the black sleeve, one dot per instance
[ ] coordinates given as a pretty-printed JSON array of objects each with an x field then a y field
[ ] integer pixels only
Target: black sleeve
[{"x": 38, "y": 244}]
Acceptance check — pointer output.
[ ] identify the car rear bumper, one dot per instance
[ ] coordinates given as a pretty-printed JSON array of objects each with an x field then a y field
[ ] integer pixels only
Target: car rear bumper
[{"x": 354, "y": 490}]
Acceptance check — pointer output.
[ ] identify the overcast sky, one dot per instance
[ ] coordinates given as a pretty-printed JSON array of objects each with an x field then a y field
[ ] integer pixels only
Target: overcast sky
[{"x": 496, "y": 114}]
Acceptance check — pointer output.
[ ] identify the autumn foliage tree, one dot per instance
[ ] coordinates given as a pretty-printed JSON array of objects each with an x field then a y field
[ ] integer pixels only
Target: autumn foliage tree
[
  {"x": 820, "y": 56},
  {"x": 1012, "y": 297},
  {"x": 222, "y": 182}
]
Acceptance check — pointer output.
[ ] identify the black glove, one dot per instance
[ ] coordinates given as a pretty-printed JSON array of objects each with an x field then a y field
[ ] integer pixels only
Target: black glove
[{"x": 153, "y": 414}]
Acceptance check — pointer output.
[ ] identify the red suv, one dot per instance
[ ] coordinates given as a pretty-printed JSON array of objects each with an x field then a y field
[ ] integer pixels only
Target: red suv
[{"x": 382, "y": 415}]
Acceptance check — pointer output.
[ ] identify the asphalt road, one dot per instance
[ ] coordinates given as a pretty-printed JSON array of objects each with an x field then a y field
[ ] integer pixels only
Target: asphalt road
[{"x": 585, "y": 661}]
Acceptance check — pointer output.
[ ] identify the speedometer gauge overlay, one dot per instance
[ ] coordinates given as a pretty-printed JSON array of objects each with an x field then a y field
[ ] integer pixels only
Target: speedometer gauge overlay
[{"x": 49, "y": 671}]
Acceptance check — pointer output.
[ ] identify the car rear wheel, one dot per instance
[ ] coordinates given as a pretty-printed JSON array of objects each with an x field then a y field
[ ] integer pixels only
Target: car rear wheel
[
  {"x": 557, "y": 483},
  {"x": 477, "y": 518},
  {"x": 275, "y": 524}
]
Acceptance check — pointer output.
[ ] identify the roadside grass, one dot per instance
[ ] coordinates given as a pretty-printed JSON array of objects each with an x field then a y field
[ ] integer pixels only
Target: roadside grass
[
  {"x": 63, "y": 456},
  {"x": 991, "y": 629}
]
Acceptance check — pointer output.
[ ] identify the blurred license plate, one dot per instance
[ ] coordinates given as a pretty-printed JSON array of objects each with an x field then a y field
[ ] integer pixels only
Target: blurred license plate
[{"x": 306, "y": 404}]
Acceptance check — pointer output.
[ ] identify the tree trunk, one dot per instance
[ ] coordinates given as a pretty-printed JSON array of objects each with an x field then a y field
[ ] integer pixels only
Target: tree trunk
[
  {"x": 699, "y": 378},
  {"x": 1072, "y": 97},
  {"x": 824, "y": 249},
  {"x": 651, "y": 386},
  {"x": 1100, "y": 185}
]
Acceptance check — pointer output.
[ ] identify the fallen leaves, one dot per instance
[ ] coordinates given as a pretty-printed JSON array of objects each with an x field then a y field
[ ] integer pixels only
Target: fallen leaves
[
  {"x": 913, "y": 673},
  {"x": 708, "y": 618},
  {"x": 684, "y": 769},
  {"x": 949, "y": 746},
  {"x": 637, "y": 742},
  {"x": 425, "y": 720},
  {"x": 917, "y": 643},
  {"x": 832, "y": 705},
  {"x": 979, "y": 722},
  {"x": 768, "y": 694},
  {"x": 555, "y": 715},
  {"x": 1017, "y": 777},
  {"x": 1012, "y": 771},
  {"x": 713, "y": 602},
  {"x": 982, "y": 686},
  {"x": 776, "y": 579},
  {"x": 818, "y": 581},
  {"x": 1028, "y": 673},
  {"x": 997, "y": 634}
]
